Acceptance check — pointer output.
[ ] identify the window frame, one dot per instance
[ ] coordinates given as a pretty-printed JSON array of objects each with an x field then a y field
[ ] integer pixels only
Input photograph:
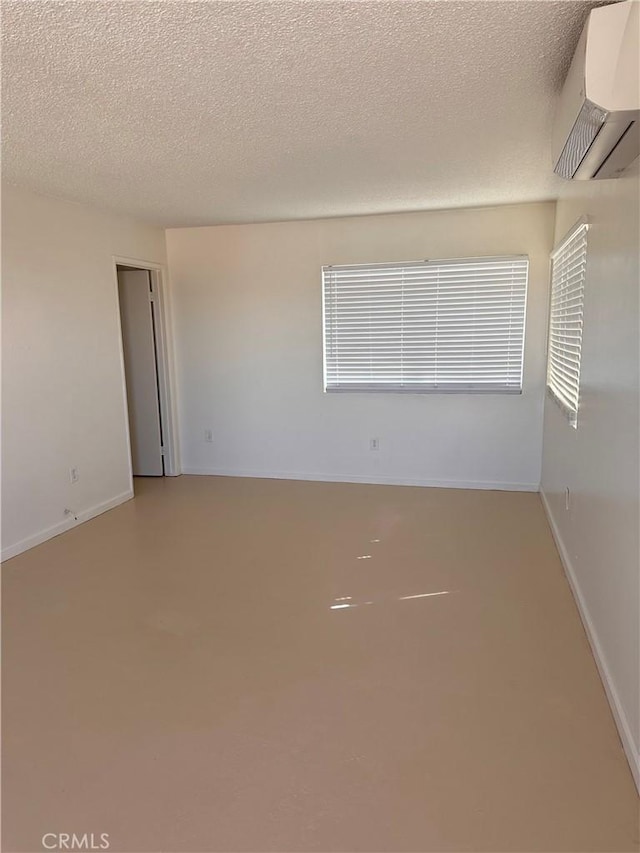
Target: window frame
[{"x": 416, "y": 388}]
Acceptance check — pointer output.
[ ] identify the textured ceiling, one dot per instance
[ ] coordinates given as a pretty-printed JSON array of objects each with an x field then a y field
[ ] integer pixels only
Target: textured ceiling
[{"x": 193, "y": 113}]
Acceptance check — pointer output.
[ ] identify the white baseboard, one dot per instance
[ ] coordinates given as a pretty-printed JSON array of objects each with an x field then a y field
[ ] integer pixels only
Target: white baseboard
[
  {"x": 619, "y": 715},
  {"x": 358, "y": 478},
  {"x": 62, "y": 526}
]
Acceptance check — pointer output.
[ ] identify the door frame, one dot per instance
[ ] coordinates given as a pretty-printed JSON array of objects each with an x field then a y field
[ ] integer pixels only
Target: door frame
[{"x": 165, "y": 360}]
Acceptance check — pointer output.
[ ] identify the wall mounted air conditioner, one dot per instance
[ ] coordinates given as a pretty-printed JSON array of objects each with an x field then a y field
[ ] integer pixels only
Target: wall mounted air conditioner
[{"x": 597, "y": 126}]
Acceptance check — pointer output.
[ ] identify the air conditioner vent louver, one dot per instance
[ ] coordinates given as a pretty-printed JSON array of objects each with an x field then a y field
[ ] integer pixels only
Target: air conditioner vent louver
[{"x": 588, "y": 125}]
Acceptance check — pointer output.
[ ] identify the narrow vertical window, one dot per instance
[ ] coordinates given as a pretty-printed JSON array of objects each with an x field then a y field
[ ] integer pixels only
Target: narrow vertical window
[{"x": 568, "y": 269}]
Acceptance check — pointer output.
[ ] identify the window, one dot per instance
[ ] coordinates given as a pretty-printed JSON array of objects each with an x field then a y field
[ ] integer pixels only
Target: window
[
  {"x": 454, "y": 325},
  {"x": 568, "y": 265}
]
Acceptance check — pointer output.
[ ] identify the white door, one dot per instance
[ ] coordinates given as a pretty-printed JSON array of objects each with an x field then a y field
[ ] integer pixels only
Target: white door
[{"x": 141, "y": 374}]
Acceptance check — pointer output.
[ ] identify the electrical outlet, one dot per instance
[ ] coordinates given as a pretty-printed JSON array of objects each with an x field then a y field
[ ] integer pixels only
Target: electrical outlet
[
  {"x": 567, "y": 498},
  {"x": 374, "y": 444},
  {"x": 208, "y": 435},
  {"x": 74, "y": 475}
]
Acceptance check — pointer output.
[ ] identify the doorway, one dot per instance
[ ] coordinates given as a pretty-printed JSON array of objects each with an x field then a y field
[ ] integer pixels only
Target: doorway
[{"x": 146, "y": 370}]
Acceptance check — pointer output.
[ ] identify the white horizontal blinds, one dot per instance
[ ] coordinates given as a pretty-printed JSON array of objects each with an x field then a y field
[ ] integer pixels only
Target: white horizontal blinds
[
  {"x": 453, "y": 325},
  {"x": 568, "y": 267}
]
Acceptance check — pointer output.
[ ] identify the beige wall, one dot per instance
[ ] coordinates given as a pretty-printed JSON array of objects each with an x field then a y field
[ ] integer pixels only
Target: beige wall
[
  {"x": 62, "y": 391},
  {"x": 599, "y": 461},
  {"x": 247, "y": 302}
]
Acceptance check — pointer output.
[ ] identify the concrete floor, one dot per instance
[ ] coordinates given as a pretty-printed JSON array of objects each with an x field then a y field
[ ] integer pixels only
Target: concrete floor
[{"x": 253, "y": 665}]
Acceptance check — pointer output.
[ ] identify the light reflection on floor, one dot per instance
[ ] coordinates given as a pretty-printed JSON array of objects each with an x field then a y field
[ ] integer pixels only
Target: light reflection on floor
[{"x": 345, "y": 598}]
